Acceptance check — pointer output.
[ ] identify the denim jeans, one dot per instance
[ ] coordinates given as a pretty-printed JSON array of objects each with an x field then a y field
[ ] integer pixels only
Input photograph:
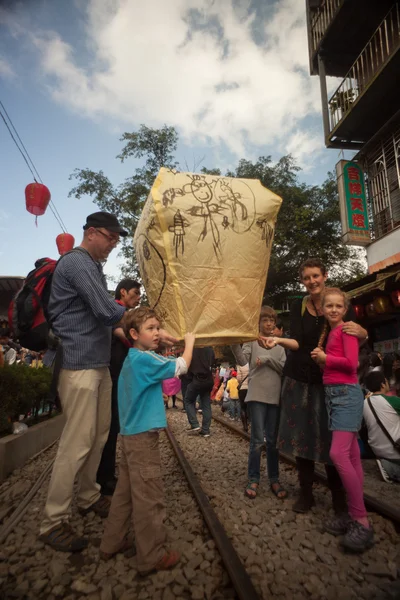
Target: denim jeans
[
  {"x": 234, "y": 409},
  {"x": 264, "y": 419},
  {"x": 203, "y": 390}
]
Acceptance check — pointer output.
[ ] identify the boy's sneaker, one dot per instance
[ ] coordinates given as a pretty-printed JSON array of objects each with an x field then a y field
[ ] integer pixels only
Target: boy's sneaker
[
  {"x": 384, "y": 473},
  {"x": 338, "y": 525},
  {"x": 358, "y": 538},
  {"x": 204, "y": 434}
]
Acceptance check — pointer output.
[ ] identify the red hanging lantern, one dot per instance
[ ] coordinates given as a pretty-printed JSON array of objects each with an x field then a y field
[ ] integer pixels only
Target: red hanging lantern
[
  {"x": 370, "y": 309},
  {"x": 37, "y": 198},
  {"x": 359, "y": 310},
  {"x": 382, "y": 304},
  {"x": 395, "y": 296},
  {"x": 65, "y": 242}
]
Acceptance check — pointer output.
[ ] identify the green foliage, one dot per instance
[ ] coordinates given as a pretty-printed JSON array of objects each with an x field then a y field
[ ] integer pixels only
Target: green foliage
[
  {"x": 308, "y": 222},
  {"x": 22, "y": 391}
]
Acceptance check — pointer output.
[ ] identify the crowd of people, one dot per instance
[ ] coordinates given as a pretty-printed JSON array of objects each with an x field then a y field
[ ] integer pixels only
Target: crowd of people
[
  {"x": 12, "y": 353},
  {"x": 300, "y": 394}
]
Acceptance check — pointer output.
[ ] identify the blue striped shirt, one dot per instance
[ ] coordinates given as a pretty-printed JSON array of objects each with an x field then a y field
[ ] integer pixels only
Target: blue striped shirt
[{"x": 82, "y": 312}]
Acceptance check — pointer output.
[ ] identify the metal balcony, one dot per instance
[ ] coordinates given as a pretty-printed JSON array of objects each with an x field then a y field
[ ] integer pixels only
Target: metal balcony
[
  {"x": 339, "y": 29},
  {"x": 368, "y": 95},
  {"x": 321, "y": 20}
]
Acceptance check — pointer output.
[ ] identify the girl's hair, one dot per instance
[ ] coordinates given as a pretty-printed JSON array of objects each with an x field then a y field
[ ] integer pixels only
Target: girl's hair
[
  {"x": 268, "y": 311},
  {"x": 329, "y": 292},
  {"x": 363, "y": 365},
  {"x": 375, "y": 360},
  {"x": 134, "y": 319},
  {"x": 387, "y": 364},
  {"x": 311, "y": 263}
]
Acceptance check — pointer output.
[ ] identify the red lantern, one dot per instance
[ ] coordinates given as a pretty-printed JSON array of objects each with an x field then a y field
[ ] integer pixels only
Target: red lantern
[
  {"x": 37, "y": 197},
  {"x": 65, "y": 242},
  {"x": 370, "y": 309},
  {"x": 395, "y": 296},
  {"x": 359, "y": 310},
  {"x": 382, "y": 304}
]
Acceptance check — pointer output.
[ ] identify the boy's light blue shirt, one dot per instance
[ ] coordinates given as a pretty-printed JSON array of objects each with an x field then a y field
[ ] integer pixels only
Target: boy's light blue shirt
[{"x": 140, "y": 401}]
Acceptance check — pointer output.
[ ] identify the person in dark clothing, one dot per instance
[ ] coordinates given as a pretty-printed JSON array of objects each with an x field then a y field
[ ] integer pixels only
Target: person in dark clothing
[
  {"x": 127, "y": 294},
  {"x": 200, "y": 384}
]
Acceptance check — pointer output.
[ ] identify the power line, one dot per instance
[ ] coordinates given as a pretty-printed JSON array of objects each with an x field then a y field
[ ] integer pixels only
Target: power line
[{"x": 26, "y": 156}]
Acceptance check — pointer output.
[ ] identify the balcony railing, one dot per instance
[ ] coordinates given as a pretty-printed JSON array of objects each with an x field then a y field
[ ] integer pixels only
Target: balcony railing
[
  {"x": 321, "y": 20},
  {"x": 380, "y": 47}
]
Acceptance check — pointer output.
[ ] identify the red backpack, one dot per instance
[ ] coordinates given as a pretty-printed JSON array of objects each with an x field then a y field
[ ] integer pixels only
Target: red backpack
[{"x": 27, "y": 313}]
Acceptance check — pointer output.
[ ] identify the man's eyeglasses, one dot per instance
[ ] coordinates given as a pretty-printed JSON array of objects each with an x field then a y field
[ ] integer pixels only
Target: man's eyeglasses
[{"x": 111, "y": 238}]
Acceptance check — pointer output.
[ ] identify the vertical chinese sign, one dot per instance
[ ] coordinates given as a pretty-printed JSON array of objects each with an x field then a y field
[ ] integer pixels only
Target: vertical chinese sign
[{"x": 353, "y": 204}]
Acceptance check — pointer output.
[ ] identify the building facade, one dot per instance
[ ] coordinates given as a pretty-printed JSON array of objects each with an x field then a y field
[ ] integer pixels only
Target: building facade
[{"x": 358, "y": 42}]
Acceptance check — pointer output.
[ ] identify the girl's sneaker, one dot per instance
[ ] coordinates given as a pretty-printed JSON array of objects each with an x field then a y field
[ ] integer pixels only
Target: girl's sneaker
[
  {"x": 338, "y": 525},
  {"x": 358, "y": 538}
]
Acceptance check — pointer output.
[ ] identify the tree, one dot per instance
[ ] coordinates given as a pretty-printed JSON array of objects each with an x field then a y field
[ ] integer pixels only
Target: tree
[
  {"x": 126, "y": 200},
  {"x": 308, "y": 222}
]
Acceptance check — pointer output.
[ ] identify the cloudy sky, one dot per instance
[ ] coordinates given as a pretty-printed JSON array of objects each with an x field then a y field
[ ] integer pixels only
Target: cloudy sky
[{"x": 231, "y": 75}]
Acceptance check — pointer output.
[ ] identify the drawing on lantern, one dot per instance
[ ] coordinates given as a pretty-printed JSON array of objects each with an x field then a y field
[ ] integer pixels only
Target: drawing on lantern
[
  {"x": 178, "y": 229},
  {"x": 267, "y": 232},
  {"x": 213, "y": 199},
  {"x": 148, "y": 253}
]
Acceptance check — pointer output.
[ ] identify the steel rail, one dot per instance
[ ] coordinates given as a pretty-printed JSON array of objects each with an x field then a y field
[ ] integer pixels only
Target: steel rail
[
  {"x": 22, "y": 507},
  {"x": 234, "y": 566},
  {"x": 371, "y": 503}
]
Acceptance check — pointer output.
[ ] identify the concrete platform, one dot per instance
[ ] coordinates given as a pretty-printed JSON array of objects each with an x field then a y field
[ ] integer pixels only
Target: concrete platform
[{"x": 16, "y": 450}]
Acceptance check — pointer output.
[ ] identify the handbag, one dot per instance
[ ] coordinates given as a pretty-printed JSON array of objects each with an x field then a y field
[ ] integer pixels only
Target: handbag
[
  {"x": 242, "y": 382},
  {"x": 395, "y": 443}
]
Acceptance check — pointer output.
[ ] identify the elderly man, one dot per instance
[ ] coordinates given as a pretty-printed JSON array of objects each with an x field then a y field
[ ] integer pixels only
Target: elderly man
[{"x": 82, "y": 314}]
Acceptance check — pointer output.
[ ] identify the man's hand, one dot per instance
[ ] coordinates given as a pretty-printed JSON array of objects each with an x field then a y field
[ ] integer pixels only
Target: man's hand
[
  {"x": 319, "y": 356},
  {"x": 167, "y": 339}
]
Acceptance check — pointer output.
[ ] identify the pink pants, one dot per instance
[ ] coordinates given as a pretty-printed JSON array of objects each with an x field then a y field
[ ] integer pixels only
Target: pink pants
[{"x": 345, "y": 455}]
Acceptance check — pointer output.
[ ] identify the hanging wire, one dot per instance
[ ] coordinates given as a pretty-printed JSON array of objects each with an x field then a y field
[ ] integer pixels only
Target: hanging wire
[{"x": 31, "y": 166}]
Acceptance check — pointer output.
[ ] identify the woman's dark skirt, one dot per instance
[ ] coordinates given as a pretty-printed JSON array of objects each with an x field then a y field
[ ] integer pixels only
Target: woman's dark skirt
[{"x": 303, "y": 427}]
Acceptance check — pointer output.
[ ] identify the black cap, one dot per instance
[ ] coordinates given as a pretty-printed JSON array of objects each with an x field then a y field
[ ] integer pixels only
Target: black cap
[{"x": 106, "y": 220}]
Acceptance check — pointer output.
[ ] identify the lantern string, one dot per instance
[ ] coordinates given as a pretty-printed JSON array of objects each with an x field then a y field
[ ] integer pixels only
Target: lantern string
[{"x": 27, "y": 157}]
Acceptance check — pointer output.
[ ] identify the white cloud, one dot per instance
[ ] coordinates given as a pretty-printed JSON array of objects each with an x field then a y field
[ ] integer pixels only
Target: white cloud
[
  {"x": 5, "y": 68},
  {"x": 149, "y": 63}
]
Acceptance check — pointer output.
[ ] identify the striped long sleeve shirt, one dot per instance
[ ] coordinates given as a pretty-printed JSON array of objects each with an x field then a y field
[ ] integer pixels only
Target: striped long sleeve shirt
[{"x": 81, "y": 312}]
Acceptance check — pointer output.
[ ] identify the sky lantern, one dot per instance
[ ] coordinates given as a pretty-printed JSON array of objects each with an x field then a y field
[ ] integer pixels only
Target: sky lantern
[
  {"x": 37, "y": 198},
  {"x": 65, "y": 242}
]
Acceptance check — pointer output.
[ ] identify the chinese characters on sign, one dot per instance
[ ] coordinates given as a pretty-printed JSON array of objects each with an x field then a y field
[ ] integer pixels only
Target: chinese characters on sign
[{"x": 353, "y": 204}]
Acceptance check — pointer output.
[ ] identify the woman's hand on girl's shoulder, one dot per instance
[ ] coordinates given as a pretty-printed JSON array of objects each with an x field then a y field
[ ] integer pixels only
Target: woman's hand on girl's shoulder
[{"x": 355, "y": 329}]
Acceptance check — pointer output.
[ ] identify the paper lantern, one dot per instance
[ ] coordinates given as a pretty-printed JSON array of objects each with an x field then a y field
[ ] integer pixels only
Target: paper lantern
[
  {"x": 395, "y": 296},
  {"x": 203, "y": 246},
  {"x": 370, "y": 309},
  {"x": 359, "y": 310},
  {"x": 37, "y": 198},
  {"x": 65, "y": 242},
  {"x": 382, "y": 304}
]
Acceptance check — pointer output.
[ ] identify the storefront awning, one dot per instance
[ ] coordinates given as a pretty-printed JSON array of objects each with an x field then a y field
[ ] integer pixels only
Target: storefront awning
[{"x": 379, "y": 284}]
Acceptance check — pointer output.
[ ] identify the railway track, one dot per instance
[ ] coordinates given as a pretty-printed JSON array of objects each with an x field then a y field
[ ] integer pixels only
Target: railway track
[
  {"x": 372, "y": 503},
  {"x": 231, "y": 547}
]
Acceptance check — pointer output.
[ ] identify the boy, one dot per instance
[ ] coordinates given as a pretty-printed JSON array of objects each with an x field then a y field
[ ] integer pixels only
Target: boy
[
  {"x": 139, "y": 493},
  {"x": 233, "y": 391},
  {"x": 387, "y": 409},
  {"x": 263, "y": 395}
]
